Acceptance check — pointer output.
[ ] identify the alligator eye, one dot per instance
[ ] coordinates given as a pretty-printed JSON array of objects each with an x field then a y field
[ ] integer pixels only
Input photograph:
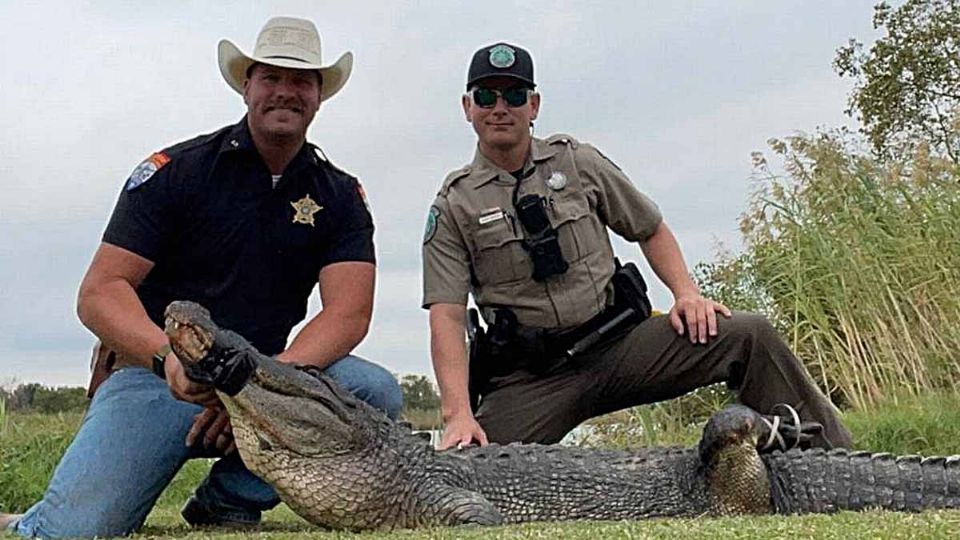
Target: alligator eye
[{"x": 263, "y": 444}]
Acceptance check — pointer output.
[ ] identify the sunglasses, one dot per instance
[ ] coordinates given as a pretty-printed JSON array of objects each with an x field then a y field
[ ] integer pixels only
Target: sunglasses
[{"x": 513, "y": 97}]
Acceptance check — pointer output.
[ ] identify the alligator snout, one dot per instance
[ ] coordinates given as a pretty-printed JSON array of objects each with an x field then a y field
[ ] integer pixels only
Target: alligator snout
[{"x": 190, "y": 330}]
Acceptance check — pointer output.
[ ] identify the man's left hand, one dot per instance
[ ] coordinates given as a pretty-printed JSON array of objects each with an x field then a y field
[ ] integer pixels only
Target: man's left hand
[{"x": 698, "y": 316}]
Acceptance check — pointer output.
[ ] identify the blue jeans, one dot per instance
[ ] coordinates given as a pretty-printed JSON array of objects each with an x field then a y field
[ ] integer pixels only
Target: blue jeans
[{"x": 131, "y": 444}]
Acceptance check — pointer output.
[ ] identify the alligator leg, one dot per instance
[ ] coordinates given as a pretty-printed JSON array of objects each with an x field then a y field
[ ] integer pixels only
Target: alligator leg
[
  {"x": 736, "y": 476},
  {"x": 447, "y": 505}
]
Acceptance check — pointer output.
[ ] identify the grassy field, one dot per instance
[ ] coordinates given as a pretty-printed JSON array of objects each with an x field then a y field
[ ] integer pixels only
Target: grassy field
[
  {"x": 282, "y": 524},
  {"x": 31, "y": 444}
]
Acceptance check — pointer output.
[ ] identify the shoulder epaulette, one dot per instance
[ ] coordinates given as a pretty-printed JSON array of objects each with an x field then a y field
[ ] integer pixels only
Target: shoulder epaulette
[
  {"x": 562, "y": 138},
  {"x": 453, "y": 177},
  {"x": 197, "y": 141},
  {"x": 158, "y": 160},
  {"x": 322, "y": 156}
]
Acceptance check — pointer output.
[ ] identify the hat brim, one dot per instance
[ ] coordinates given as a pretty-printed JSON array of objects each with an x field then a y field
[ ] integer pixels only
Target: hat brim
[
  {"x": 234, "y": 65},
  {"x": 524, "y": 80}
]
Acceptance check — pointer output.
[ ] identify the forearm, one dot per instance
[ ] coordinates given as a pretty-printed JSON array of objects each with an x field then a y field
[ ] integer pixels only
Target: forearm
[
  {"x": 449, "y": 354},
  {"x": 326, "y": 338},
  {"x": 346, "y": 292},
  {"x": 663, "y": 253}
]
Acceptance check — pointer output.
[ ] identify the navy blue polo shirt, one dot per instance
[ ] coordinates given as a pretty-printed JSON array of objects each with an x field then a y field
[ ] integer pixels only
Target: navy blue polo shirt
[{"x": 206, "y": 213}]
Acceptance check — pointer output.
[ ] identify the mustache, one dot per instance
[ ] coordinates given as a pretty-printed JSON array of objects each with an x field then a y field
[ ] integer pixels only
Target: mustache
[{"x": 290, "y": 104}]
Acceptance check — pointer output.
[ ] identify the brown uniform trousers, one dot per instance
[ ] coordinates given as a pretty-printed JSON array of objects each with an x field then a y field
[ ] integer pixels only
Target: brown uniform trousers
[{"x": 652, "y": 363}]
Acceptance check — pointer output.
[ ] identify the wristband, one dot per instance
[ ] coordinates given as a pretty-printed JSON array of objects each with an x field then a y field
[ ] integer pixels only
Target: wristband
[{"x": 158, "y": 360}]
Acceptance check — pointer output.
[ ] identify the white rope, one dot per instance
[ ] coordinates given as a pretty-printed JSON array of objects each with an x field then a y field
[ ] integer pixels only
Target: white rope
[
  {"x": 796, "y": 422},
  {"x": 775, "y": 436}
]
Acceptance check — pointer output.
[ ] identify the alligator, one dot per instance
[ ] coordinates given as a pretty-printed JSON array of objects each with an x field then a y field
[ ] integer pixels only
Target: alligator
[{"x": 341, "y": 464}]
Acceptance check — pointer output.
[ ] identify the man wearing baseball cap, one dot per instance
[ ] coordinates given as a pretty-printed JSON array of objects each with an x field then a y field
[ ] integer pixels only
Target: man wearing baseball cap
[
  {"x": 246, "y": 221},
  {"x": 524, "y": 229}
]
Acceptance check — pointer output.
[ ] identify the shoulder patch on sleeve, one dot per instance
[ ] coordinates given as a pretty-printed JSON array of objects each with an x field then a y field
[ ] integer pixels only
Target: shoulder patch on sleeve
[
  {"x": 363, "y": 196},
  {"x": 453, "y": 177},
  {"x": 562, "y": 138},
  {"x": 146, "y": 169},
  {"x": 431, "y": 227}
]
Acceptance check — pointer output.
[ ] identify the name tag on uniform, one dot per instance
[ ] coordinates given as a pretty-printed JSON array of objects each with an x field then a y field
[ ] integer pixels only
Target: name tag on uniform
[{"x": 491, "y": 215}]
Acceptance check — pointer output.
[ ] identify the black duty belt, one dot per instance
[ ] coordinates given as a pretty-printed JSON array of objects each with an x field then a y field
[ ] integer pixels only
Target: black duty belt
[{"x": 562, "y": 343}]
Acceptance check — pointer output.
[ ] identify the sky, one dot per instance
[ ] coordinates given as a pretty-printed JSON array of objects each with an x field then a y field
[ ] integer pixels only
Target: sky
[{"x": 678, "y": 94}]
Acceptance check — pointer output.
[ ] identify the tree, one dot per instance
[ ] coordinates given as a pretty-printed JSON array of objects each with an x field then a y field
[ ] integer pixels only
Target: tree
[
  {"x": 34, "y": 397},
  {"x": 21, "y": 399},
  {"x": 419, "y": 393},
  {"x": 63, "y": 399},
  {"x": 907, "y": 87}
]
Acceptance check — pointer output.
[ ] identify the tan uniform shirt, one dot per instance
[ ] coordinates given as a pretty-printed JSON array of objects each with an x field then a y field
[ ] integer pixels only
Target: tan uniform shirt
[{"x": 474, "y": 241}]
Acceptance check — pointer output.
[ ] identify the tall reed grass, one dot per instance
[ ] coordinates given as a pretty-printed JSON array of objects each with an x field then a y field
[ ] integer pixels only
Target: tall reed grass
[
  {"x": 858, "y": 264},
  {"x": 3, "y": 416}
]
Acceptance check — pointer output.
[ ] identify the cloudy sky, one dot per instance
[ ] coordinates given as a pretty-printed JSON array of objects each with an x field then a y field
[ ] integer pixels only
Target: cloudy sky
[{"x": 677, "y": 93}]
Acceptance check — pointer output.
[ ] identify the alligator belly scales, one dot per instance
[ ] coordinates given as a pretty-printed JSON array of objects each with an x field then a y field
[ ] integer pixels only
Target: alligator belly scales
[{"x": 339, "y": 463}]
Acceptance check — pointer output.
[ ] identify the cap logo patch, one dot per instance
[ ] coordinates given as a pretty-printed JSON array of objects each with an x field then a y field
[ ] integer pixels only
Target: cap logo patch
[
  {"x": 146, "y": 169},
  {"x": 502, "y": 56},
  {"x": 304, "y": 209}
]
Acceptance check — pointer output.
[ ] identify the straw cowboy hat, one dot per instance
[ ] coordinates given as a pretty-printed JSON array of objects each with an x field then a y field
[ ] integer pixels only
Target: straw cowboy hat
[{"x": 284, "y": 42}]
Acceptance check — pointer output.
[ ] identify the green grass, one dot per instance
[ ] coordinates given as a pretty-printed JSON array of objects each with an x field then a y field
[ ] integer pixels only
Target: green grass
[
  {"x": 282, "y": 524},
  {"x": 30, "y": 445},
  {"x": 927, "y": 425}
]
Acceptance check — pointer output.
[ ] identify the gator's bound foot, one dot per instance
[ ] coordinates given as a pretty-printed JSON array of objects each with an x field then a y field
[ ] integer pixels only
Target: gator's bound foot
[{"x": 783, "y": 430}]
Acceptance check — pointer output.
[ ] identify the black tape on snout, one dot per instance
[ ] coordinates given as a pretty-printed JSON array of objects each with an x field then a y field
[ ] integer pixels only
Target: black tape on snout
[{"x": 227, "y": 369}]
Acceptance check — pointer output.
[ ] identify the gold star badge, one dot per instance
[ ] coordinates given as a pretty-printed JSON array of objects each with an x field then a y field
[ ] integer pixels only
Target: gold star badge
[{"x": 304, "y": 209}]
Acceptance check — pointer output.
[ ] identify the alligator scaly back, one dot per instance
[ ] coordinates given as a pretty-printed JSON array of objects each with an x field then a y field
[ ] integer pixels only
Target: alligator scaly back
[
  {"x": 825, "y": 481},
  {"x": 341, "y": 464}
]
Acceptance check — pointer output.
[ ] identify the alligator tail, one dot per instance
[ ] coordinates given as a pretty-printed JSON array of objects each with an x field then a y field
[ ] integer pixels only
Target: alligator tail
[{"x": 826, "y": 481}]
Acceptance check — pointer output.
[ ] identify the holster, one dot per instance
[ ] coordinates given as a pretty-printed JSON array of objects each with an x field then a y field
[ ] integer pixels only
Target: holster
[
  {"x": 477, "y": 376},
  {"x": 630, "y": 291},
  {"x": 101, "y": 366}
]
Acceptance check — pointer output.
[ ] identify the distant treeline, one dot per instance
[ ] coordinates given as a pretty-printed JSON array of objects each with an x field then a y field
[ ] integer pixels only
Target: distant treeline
[
  {"x": 35, "y": 397},
  {"x": 419, "y": 394}
]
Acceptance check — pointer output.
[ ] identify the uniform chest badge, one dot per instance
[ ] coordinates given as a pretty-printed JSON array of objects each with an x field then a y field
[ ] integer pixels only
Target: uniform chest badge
[
  {"x": 304, "y": 209},
  {"x": 557, "y": 181}
]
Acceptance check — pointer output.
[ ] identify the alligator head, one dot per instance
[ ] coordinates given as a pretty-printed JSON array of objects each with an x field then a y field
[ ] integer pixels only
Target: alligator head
[
  {"x": 332, "y": 458},
  {"x": 274, "y": 407}
]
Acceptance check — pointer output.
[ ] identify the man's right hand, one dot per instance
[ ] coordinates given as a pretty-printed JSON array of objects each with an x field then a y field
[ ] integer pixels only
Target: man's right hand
[
  {"x": 213, "y": 423},
  {"x": 461, "y": 431},
  {"x": 183, "y": 388}
]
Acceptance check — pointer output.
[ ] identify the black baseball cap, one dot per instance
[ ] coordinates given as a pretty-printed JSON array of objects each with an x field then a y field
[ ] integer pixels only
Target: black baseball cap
[{"x": 501, "y": 60}]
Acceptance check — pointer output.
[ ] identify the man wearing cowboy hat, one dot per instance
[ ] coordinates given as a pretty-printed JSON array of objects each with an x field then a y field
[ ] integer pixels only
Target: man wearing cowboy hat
[
  {"x": 524, "y": 228},
  {"x": 246, "y": 221}
]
